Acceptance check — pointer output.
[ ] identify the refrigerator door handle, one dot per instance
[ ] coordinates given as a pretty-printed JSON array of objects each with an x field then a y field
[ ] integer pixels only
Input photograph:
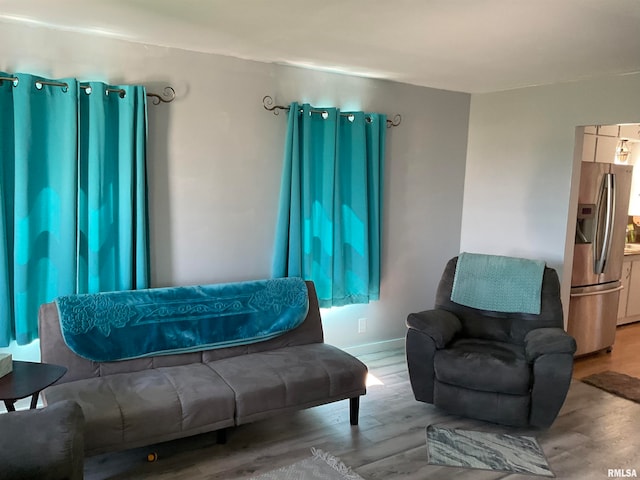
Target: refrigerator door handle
[
  {"x": 608, "y": 197},
  {"x": 599, "y": 292}
]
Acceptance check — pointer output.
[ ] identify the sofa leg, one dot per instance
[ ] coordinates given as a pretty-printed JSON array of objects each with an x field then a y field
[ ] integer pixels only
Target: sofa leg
[
  {"x": 221, "y": 436},
  {"x": 354, "y": 410}
]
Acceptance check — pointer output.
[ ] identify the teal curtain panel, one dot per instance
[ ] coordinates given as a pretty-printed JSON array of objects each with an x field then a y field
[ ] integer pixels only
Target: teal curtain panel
[
  {"x": 330, "y": 213},
  {"x": 57, "y": 154},
  {"x": 112, "y": 200}
]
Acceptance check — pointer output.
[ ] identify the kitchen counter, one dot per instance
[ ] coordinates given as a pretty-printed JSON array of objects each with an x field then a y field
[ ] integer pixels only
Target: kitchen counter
[{"x": 632, "y": 249}]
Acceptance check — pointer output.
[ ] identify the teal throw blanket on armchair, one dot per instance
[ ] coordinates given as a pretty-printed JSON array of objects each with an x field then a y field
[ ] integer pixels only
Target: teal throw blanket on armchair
[
  {"x": 497, "y": 283},
  {"x": 130, "y": 324}
]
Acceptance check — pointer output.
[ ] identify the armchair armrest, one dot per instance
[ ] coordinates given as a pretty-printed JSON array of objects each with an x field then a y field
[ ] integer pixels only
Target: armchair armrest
[
  {"x": 47, "y": 443},
  {"x": 440, "y": 325},
  {"x": 550, "y": 351},
  {"x": 542, "y": 341}
]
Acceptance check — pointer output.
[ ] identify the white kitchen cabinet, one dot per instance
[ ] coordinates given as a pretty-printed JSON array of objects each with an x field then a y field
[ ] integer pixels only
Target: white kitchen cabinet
[
  {"x": 589, "y": 147},
  {"x": 608, "y": 130},
  {"x": 624, "y": 293},
  {"x": 599, "y": 143},
  {"x": 633, "y": 302},
  {"x": 606, "y": 149},
  {"x": 629, "y": 302},
  {"x": 630, "y": 131}
]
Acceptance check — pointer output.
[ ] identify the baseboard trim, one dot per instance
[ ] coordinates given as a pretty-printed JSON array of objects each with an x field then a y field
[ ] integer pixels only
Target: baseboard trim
[{"x": 375, "y": 347}]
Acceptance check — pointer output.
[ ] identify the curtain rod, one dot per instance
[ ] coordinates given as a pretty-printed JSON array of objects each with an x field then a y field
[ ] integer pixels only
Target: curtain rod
[
  {"x": 267, "y": 103},
  {"x": 168, "y": 95}
]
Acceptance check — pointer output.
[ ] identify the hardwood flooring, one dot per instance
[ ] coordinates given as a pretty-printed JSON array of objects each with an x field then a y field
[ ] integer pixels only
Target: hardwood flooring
[
  {"x": 625, "y": 357},
  {"x": 594, "y": 432}
]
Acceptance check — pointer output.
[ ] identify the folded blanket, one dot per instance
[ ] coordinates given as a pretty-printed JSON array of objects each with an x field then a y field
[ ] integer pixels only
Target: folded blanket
[
  {"x": 139, "y": 323},
  {"x": 497, "y": 283}
]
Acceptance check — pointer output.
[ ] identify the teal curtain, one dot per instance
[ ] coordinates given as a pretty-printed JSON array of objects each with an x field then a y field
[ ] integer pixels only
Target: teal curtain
[
  {"x": 112, "y": 200},
  {"x": 52, "y": 194},
  {"x": 330, "y": 214}
]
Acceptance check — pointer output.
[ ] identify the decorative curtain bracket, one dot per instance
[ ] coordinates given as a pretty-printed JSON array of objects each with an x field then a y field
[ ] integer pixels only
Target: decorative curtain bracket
[
  {"x": 397, "y": 120},
  {"x": 268, "y": 104},
  {"x": 168, "y": 95}
]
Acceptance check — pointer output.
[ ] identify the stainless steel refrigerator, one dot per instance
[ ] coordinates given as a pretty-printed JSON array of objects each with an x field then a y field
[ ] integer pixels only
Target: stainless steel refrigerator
[{"x": 603, "y": 203}]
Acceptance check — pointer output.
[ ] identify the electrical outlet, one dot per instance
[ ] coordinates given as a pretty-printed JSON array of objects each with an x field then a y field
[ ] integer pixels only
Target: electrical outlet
[{"x": 362, "y": 325}]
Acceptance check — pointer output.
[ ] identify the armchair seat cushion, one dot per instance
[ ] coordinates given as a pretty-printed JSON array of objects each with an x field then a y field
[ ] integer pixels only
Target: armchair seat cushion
[{"x": 484, "y": 365}]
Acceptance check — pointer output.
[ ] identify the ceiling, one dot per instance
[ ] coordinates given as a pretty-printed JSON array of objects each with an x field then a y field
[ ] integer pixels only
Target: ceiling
[{"x": 473, "y": 46}]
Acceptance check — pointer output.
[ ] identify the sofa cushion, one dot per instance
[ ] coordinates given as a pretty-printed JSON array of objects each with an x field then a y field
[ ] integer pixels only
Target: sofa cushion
[
  {"x": 132, "y": 409},
  {"x": 291, "y": 378},
  {"x": 484, "y": 365}
]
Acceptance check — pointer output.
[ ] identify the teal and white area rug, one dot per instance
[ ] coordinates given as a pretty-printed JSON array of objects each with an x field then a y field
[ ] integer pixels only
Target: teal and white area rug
[
  {"x": 320, "y": 466},
  {"x": 486, "y": 451}
]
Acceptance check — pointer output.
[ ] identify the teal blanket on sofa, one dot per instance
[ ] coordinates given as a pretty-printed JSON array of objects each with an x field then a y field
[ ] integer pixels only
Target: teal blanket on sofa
[
  {"x": 497, "y": 283},
  {"x": 138, "y": 323}
]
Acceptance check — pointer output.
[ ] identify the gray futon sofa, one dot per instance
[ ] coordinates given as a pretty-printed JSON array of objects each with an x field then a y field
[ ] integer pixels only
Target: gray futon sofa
[{"x": 142, "y": 401}]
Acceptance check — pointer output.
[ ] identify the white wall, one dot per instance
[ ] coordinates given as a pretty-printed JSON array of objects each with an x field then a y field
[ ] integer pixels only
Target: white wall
[
  {"x": 520, "y": 165},
  {"x": 215, "y": 157}
]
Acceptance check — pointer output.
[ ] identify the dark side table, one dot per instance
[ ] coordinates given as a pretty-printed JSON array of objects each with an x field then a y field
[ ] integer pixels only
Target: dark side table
[{"x": 28, "y": 378}]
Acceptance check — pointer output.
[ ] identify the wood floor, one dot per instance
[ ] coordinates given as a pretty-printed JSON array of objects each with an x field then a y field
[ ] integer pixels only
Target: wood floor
[
  {"x": 595, "y": 432},
  {"x": 625, "y": 357}
]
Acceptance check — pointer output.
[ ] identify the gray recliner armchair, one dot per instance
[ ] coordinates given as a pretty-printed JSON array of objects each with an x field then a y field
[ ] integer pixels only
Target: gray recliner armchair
[
  {"x": 43, "y": 444},
  {"x": 507, "y": 368}
]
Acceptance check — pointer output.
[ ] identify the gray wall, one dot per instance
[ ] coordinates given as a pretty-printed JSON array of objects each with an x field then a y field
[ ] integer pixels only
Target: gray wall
[
  {"x": 520, "y": 195},
  {"x": 215, "y": 157}
]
